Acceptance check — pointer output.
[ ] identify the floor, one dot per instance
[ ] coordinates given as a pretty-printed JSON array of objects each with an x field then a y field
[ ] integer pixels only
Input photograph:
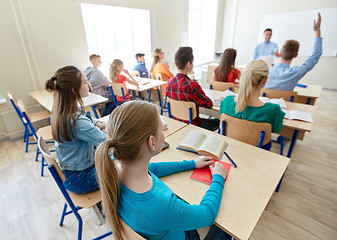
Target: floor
[{"x": 304, "y": 208}]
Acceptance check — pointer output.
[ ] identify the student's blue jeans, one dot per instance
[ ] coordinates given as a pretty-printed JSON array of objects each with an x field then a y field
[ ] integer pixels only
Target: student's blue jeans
[
  {"x": 81, "y": 181},
  {"x": 214, "y": 233}
]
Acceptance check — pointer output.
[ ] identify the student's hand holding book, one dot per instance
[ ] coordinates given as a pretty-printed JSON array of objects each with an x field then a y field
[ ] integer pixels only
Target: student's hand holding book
[
  {"x": 203, "y": 161},
  {"x": 218, "y": 169}
]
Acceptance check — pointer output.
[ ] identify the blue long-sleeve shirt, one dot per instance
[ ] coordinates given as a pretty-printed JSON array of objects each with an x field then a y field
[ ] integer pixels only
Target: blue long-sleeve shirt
[
  {"x": 264, "y": 49},
  {"x": 159, "y": 214},
  {"x": 79, "y": 153},
  {"x": 140, "y": 67},
  {"x": 282, "y": 77}
]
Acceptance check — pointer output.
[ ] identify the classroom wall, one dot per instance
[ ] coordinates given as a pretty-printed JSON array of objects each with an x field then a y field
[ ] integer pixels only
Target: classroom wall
[
  {"x": 39, "y": 36},
  {"x": 247, "y": 23}
]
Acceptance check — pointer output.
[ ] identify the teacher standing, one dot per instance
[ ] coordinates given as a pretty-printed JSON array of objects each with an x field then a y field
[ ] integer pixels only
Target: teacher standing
[{"x": 266, "y": 48}]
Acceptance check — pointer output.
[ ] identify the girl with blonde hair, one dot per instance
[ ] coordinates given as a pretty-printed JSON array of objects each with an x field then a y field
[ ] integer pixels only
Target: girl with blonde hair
[
  {"x": 119, "y": 75},
  {"x": 158, "y": 66},
  {"x": 247, "y": 104},
  {"x": 130, "y": 184}
]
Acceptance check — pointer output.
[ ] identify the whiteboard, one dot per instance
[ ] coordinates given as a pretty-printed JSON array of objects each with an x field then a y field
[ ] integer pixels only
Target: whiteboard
[{"x": 299, "y": 26}]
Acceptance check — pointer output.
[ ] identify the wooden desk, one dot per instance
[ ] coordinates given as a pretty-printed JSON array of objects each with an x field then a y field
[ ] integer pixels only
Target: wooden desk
[
  {"x": 309, "y": 94},
  {"x": 172, "y": 125},
  {"x": 248, "y": 188},
  {"x": 291, "y": 128},
  {"x": 46, "y": 99},
  {"x": 146, "y": 84}
]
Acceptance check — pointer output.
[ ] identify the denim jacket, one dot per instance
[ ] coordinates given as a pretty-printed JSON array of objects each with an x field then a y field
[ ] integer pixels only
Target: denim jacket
[{"x": 79, "y": 153}]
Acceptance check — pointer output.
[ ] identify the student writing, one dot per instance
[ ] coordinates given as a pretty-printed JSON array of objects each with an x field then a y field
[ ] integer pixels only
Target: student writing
[
  {"x": 119, "y": 75},
  {"x": 130, "y": 184}
]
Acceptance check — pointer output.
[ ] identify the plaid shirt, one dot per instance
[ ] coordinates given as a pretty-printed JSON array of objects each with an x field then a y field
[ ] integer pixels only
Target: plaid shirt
[{"x": 182, "y": 88}]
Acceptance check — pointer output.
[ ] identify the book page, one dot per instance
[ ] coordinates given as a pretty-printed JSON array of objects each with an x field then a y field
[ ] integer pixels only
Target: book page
[
  {"x": 226, "y": 93},
  {"x": 164, "y": 124},
  {"x": 298, "y": 115},
  {"x": 213, "y": 146},
  {"x": 192, "y": 141}
]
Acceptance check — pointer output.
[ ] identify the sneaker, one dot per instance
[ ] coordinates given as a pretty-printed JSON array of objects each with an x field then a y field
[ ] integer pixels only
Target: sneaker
[{"x": 96, "y": 215}]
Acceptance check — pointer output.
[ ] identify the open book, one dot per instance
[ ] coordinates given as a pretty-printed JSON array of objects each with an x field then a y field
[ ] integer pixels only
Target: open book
[
  {"x": 200, "y": 143},
  {"x": 279, "y": 101},
  {"x": 298, "y": 115},
  {"x": 204, "y": 174}
]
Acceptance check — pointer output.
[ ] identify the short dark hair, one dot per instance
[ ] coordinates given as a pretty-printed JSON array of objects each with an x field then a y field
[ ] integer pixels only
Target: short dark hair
[
  {"x": 290, "y": 49},
  {"x": 267, "y": 29},
  {"x": 92, "y": 56},
  {"x": 183, "y": 56},
  {"x": 138, "y": 55}
]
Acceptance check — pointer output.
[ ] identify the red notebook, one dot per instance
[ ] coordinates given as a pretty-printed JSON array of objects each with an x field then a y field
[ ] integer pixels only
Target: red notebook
[{"x": 204, "y": 174}]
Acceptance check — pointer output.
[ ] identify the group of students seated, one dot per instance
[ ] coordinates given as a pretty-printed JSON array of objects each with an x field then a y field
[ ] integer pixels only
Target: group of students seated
[{"x": 117, "y": 160}]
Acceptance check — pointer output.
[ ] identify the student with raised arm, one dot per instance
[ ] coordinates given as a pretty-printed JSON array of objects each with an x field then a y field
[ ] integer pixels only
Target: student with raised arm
[
  {"x": 226, "y": 71},
  {"x": 266, "y": 48},
  {"x": 76, "y": 134},
  {"x": 119, "y": 75},
  {"x": 247, "y": 104},
  {"x": 130, "y": 184},
  {"x": 282, "y": 76},
  {"x": 158, "y": 66}
]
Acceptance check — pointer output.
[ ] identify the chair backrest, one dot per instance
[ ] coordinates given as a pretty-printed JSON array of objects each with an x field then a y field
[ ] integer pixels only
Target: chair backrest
[
  {"x": 210, "y": 71},
  {"x": 117, "y": 89},
  {"x": 15, "y": 105},
  {"x": 48, "y": 157},
  {"x": 244, "y": 130},
  {"x": 130, "y": 234},
  {"x": 182, "y": 109},
  {"x": 289, "y": 96},
  {"x": 221, "y": 86},
  {"x": 135, "y": 73},
  {"x": 156, "y": 76}
]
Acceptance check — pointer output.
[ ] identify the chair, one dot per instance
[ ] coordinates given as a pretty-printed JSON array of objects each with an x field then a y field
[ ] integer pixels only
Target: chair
[
  {"x": 221, "y": 86},
  {"x": 183, "y": 110},
  {"x": 34, "y": 117},
  {"x": 135, "y": 73},
  {"x": 117, "y": 89},
  {"x": 94, "y": 107},
  {"x": 156, "y": 76},
  {"x": 76, "y": 201},
  {"x": 210, "y": 72},
  {"x": 44, "y": 132},
  {"x": 253, "y": 133},
  {"x": 289, "y": 96}
]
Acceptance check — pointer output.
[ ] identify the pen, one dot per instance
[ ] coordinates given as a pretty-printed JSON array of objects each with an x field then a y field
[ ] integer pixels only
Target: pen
[{"x": 230, "y": 160}]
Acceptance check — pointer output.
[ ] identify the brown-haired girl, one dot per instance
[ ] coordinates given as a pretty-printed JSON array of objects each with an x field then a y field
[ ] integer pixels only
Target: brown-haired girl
[
  {"x": 226, "y": 72},
  {"x": 119, "y": 75},
  {"x": 130, "y": 184},
  {"x": 76, "y": 134}
]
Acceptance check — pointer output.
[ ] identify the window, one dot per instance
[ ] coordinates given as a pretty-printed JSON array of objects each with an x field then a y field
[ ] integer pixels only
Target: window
[
  {"x": 202, "y": 18},
  {"x": 116, "y": 32}
]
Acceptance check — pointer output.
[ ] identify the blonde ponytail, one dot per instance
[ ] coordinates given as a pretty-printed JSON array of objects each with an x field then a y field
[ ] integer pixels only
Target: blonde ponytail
[
  {"x": 253, "y": 74},
  {"x": 108, "y": 180},
  {"x": 113, "y": 72}
]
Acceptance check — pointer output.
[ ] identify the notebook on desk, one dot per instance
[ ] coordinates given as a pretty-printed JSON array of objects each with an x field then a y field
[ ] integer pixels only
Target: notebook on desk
[{"x": 204, "y": 174}]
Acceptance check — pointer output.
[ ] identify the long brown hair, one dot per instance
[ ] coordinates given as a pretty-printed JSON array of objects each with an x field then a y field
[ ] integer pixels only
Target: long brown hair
[
  {"x": 128, "y": 127},
  {"x": 251, "y": 77},
  {"x": 113, "y": 72},
  {"x": 65, "y": 84},
  {"x": 226, "y": 64},
  {"x": 156, "y": 54}
]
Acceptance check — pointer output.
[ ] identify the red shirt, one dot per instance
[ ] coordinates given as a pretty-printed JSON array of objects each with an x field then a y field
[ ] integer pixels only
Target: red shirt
[
  {"x": 182, "y": 88},
  {"x": 231, "y": 76},
  {"x": 122, "y": 79}
]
